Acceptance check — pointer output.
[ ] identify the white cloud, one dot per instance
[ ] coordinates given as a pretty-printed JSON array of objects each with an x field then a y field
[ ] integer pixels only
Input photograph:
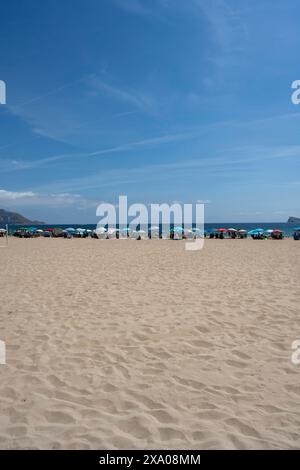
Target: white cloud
[
  {"x": 232, "y": 159},
  {"x": 19, "y": 165},
  {"x": 15, "y": 195},
  {"x": 17, "y": 198},
  {"x": 132, "y": 6},
  {"x": 141, "y": 100}
]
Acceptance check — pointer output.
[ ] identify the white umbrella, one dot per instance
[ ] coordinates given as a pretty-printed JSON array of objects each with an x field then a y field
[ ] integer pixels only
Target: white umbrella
[
  {"x": 139, "y": 233},
  {"x": 100, "y": 230}
]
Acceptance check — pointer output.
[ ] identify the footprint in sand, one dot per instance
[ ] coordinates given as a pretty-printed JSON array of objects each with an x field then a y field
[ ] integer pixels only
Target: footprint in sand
[
  {"x": 190, "y": 383},
  {"x": 163, "y": 416},
  {"x": 294, "y": 388},
  {"x": 167, "y": 434},
  {"x": 59, "y": 417}
]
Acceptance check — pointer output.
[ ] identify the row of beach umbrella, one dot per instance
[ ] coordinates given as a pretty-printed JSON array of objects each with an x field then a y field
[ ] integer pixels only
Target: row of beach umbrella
[{"x": 178, "y": 230}]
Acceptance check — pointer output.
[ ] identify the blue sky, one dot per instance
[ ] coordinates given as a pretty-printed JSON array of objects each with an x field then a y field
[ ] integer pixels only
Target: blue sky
[{"x": 161, "y": 100}]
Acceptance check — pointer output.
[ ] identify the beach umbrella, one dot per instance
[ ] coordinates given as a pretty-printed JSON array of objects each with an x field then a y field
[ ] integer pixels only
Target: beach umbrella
[
  {"x": 154, "y": 230},
  {"x": 125, "y": 232},
  {"x": 70, "y": 229},
  {"x": 196, "y": 231},
  {"x": 242, "y": 230},
  {"x": 39, "y": 230},
  {"x": 270, "y": 230},
  {"x": 277, "y": 231},
  {"x": 232, "y": 230},
  {"x": 100, "y": 230},
  {"x": 111, "y": 231},
  {"x": 88, "y": 230},
  {"x": 80, "y": 230},
  {"x": 139, "y": 233},
  {"x": 177, "y": 229},
  {"x": 297, "y": 229},
  {"x": 2, "y": 230},
  {"x": 222, "y": 230},
  {"x": 256, "y": 231}
]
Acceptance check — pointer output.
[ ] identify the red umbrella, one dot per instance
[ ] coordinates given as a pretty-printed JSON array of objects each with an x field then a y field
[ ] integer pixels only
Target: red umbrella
[
  {"x": 49, "y": 229},
  {"x": 277, "y": 231},
  {"x": 222, "y": 230}
]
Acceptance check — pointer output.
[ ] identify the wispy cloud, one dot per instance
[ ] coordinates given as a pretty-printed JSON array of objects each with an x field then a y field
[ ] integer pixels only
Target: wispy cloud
[
  {"x": 11, "y": 165},
  {"x": 54, "y": 91},
  {"x": 139, "y": 99},
  {"x": 67, "y": 121},
  {"x": 148, "y": 8},
  {"x": 238, "y": 160},
  {"x": 15, "y": 195},
  {"x": 164, "y": 139},
  {"x": 19, "y": 165},
  {"x": 30, "y": 198},
  {"x": 132, "y": 6},
  {"x": 226, "y": 19},
  {"x": 7, "y": 166}
]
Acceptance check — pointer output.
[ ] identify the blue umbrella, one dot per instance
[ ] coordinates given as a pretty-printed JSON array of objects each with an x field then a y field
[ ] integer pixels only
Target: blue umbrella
[
  {"x": 297, "y": 229},
  {"x": 70, "y": 229},
  {"x": 256, "y": 231},
  {"x": 178, "y": 229}
]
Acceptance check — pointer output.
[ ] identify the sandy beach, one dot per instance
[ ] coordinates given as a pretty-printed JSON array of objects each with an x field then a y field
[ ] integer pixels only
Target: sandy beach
[{"x": 126, "y": 344}]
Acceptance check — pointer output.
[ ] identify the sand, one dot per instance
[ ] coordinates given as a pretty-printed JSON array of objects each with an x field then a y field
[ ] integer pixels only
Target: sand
[{"x": 125, "y": 344}]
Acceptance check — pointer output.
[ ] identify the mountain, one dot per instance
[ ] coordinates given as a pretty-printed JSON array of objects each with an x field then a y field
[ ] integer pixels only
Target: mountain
[
  {"x": 293, "y": 220},
  {"x": 12, "y": 218}
]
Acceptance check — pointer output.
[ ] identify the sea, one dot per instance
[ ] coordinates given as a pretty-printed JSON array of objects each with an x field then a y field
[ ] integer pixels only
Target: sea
[{"x": 286, "y": 228}]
